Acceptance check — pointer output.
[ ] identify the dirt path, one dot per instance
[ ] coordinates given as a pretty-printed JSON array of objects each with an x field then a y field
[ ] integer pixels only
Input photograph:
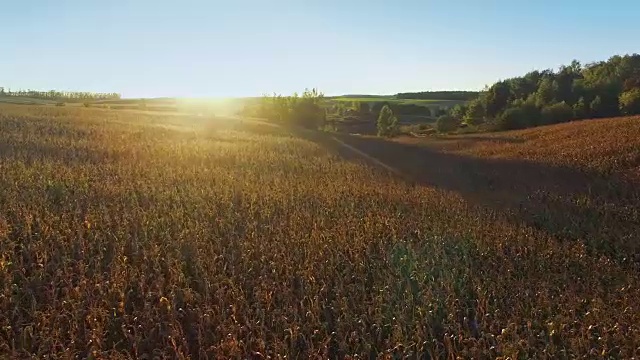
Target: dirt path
[{"x": 370, "y": 158}]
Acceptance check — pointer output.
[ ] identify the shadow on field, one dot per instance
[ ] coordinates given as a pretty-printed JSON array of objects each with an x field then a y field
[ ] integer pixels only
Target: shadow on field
[{"x": 602, "y": 212}]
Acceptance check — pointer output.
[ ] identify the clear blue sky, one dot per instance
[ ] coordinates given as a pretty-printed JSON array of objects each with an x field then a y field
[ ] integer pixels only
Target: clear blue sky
[{"x": 248, "y": 47}]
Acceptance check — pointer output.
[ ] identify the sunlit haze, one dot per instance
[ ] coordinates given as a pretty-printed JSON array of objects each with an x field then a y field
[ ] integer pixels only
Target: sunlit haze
[{"x": 245, "y": 48}]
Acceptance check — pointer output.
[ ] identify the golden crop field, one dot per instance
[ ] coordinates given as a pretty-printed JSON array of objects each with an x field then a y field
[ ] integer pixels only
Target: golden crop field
[{"x": 157, "y": 236}]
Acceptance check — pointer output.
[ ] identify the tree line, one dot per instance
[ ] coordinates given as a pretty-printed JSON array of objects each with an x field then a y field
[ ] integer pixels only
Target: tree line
[
  {"x": 304, "y": 109},
  {"x": 54, "y": 95},
  {"x": 439, "y": 95},
  {"x": 365, "y": 107},
  {"x": 573, "y": 92},
  {"x": 312, "y": 110}
]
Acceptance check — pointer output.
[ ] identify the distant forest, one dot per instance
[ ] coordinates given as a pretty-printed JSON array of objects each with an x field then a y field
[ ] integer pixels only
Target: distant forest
[
  {"x": 422, "y": 95},
  {"x": 440, "y": 95},
  {"x": 573, "y": 92},
  {"x": 54, "y": 95}
]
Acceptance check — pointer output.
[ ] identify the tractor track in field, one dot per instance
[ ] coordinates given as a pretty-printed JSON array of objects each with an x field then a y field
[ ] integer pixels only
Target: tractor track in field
[{"x": 370, "y": 158}]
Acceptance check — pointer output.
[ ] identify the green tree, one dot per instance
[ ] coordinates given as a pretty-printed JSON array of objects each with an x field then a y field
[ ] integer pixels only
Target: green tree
[
  {"x": 497, "y": 98},
  {"x": 563, "y": 83},
  {"x": 630, "y": 102},
  {"x": 530, "y": 112},
  {"x": 581, "y": 109},
  {"x": 520, "y": 114},
  {"x": 307, "y": 111},
  {"x": 632, "y": 82},
  {"x": 556, "y": 113},
  {"x": 447, "y": 123},
  {"x": 597, "y": 108},
  {"x": 546, "y": 92},
  {"x": 387, "y": 122},
  {"x": 475, "y": 113},
  {"x": 458, "y": 111}
]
